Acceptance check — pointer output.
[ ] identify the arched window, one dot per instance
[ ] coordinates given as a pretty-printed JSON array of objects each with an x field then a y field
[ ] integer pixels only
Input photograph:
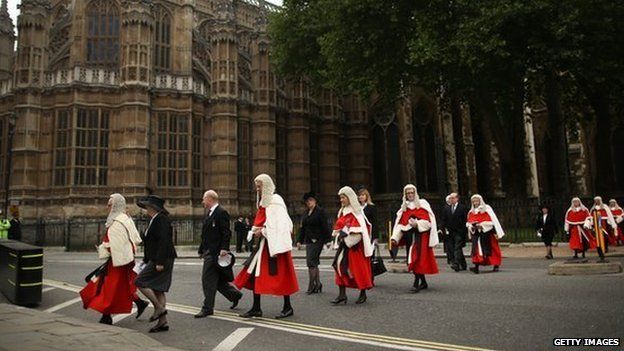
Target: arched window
[
  {"x": 424, "y": 147},
  {"x": 387, "y": 154},
  {"x": 103, "y": 33},
  {"x": 162, "y": 40}
]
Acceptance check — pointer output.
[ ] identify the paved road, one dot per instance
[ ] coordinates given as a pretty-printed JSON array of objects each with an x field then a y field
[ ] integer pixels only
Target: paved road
[{"x": 520, "y": 308}]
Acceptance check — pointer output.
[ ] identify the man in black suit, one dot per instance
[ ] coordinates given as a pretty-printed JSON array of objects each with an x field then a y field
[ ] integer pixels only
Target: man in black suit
[
  {"x": 454, "y": 224},
  {"x": 215, "y": 243},
  {"x": 241, "y": 229}
]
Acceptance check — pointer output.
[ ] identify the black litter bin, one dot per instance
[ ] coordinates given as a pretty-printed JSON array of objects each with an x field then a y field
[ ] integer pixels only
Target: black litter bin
[{"x": 21, "y": 272}]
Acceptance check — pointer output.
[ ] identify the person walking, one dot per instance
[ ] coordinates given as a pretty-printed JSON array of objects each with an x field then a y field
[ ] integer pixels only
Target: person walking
[
  {"x": 453, "y": 224},
  {"x": 215, "y": 243},
  {"x": 485, "y": 230},
  {"x": 580, "y": 239},
  {"x": 270, "y": 270},
  {"x": 352, "y": 264},
  {"x": 240, "y": 228},
  {"x": 415, "y": 218},
  {"x": 546, "y": 228},
  {"x": 5, "y": 224},
  {"x": 159, "y": 255},
  {"x": 115, "y": 291},
  {"x": 618, "y": 216},
  {"x": 315, "y": 233}
]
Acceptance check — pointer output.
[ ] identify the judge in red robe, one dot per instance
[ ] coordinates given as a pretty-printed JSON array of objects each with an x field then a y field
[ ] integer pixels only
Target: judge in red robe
[
  {"x": 581, "y": 239},
  {"x": 618, "y": 216},
  {"x": 485, "y": 230},
  {"x": 607, "y": 224},
  {"x": 113, "y": 290},
  {"x": 352, "y": 263},
  {"x": 270, "y": 269},
  {"x": 416, "y": 219}
]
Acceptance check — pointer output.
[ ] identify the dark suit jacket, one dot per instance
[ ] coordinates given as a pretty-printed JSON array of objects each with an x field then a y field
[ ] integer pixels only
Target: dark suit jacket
[
  {"x": 370, "y": 211},
  {"x": 454, "y": 221},
  {"x": 241, "y": 228},
  {"x": 216, "y": 232},
  {"x": 315, "y": 226},
  {"x": 549, "y": 228},
  {"x": 158, "y": 241},
  {"x": 15, "y": 232}
]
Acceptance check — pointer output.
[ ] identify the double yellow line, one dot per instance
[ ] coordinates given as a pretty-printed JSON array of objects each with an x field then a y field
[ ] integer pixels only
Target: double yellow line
[{"x": 315, "y": 330}]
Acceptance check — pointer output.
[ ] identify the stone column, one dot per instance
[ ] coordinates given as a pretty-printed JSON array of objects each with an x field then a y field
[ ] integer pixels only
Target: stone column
[
  {"x": 466, "y": 164},
  {"x": 298, "y": 143},
  {"x": 446, "y": 119},
  {"x": 532, "y": 181},
  {"x": 329, "y": 144},
  {"x": 358, "y": 142}
]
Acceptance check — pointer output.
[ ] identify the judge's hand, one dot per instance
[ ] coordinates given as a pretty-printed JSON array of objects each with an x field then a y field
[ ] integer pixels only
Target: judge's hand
[
  {"x": 160, "y": 268},
  {"x": 298, "y": 246},
  {"x": 223, "y": 253},
  {"x": 394, "y": 243},
  {"x": 258, "y": 233}
]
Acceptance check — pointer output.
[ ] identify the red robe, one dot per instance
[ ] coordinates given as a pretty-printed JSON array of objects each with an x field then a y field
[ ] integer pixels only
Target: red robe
[
  {"x": 616, "y": 213},
  {"x": 283, "y": 283},
  {"x": 575, "y": 220},
  {"x": 422, "y": 256},
  {"x": 359, "y": 274},
  {"x": 496, "y": 257},
  {"x": 117, "y": 292}
]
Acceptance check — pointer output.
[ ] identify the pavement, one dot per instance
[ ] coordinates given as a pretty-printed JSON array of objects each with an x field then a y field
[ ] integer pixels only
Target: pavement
[
  {"x": 29, "y": 329},
  {"x": 519, "y": 308}
]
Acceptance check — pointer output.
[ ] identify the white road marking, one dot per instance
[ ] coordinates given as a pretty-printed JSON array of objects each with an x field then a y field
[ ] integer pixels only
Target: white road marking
[
  {"x": 64, "y": 304},
  {"x": 229, "y": 343},
  {"x": 120, "y": 317},
  {"x": 386, "y": 342},
  {"x": 47, "y": 289},
  {"x": 323, "y": 268}
]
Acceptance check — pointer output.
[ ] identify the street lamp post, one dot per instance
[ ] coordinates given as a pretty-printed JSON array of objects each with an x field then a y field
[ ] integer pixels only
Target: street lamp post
[{"x": 9, "y": 153}]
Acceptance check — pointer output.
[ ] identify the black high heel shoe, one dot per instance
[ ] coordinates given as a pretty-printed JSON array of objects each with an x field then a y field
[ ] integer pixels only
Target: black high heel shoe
[
  {"x": 252, "y": 313},
  {"x": 159, "y": 328},
  {"x": 285, "y": 314},
  {"x": 339, "y": 300},
  {"x": 311, "y": 290},
  {"x": 318, "y": 288},
  {"x": 361, "y": 300}
]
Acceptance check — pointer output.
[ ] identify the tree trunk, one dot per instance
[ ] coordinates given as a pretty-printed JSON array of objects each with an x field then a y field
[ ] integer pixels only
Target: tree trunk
[{"x": 556, "y": 146}]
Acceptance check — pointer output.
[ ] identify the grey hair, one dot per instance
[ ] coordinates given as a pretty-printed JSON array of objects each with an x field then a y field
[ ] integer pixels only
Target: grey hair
[{"x": 212, "y": 194}]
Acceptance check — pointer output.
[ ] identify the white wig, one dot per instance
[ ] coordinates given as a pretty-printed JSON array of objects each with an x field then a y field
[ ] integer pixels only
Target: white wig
[
  {"x": 268, "y": 189},
  {"x": 118, "y": 207}
]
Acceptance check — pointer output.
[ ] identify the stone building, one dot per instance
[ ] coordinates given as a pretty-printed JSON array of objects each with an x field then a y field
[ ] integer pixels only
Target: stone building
[{"x": 177, "y": 96}]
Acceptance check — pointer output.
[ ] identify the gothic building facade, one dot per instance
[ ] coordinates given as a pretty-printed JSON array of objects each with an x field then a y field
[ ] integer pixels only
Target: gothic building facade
[{"x": 177, "y": 96}]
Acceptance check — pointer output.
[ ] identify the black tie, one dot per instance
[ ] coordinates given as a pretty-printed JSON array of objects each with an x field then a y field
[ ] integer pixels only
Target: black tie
[{"x": 453, "y": 209}]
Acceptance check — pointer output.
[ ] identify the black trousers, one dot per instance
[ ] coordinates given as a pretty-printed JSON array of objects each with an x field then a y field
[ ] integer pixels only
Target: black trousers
[
  {"x": 240, "y": 240},
  {"x": 458, "y": 241},
  {"x": 212, "y": 281}
]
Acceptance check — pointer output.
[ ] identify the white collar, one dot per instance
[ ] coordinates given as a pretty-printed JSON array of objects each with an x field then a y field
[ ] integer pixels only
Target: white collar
[
  {"x": 213, "y": 208},
  {"x": 412, "y": 204}
]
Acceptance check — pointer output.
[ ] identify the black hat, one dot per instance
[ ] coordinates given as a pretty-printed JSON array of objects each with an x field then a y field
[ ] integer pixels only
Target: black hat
[
  {"x": 153, "y": 201},
  {"x": 310, "y": 194}
]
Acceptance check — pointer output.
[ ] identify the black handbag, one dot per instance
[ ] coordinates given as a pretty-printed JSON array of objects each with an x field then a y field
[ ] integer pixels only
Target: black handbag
[{"x": 377, "y": 263}]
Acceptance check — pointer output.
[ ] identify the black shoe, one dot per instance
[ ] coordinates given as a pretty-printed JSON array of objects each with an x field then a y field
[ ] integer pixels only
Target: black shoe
[
  {"x": 464, "y": 268},
  {"x": 285, "y": 314},
  {"x": 106, "y": 319},
  {"x": 141, "y": 306},
  {"x": 474, "y": 270},
  {"x": 236, "y": 301},
  {"x": 455, "y": 268},
  {"x": 318, "y": 288},
  {"x": 204, "y": 313},
  {"x": 251, "y": 313},
  {"x": 339, "y": 300},
  {"x": 495, "y": 269},
  {"x": 159, "y": 328},
  {"x": 361, "y": 300},
  {"x": 311, "y": 290},
  {"x": 155, "y": 316},
  {"x": 415, "y": 289},
  {"x": 423, "y": 286}
]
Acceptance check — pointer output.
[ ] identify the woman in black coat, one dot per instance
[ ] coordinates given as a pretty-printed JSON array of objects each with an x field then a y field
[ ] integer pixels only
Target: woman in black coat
[
  {"x": 159, "y": 253},
  {"x": 546, "y": 228},
  {"x": 315, "y": 233}
]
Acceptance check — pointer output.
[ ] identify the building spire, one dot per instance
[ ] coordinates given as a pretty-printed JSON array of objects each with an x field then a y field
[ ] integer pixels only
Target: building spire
[
  {"x": 6, "y": 23},
  {"x": 4, "y": 9}
]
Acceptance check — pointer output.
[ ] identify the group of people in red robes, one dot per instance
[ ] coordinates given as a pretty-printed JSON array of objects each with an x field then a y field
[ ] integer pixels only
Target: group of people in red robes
[{"x": 595, "y": 228}]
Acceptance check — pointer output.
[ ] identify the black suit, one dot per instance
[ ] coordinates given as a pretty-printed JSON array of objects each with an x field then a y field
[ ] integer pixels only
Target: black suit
[
  {"x": 454, "y": 222},
  {"x": 15, "y": 231},
  {"x": 241, "y": 229},
  {"x": 215, "y": 237},
  {"x": 548, "y": 228},
  {"x": 158, "y": 241},
  {"x": 371, "y": 214}
]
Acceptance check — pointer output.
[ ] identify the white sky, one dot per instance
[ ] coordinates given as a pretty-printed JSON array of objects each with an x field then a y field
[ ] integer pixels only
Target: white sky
[{"x": 13, "y": 8}]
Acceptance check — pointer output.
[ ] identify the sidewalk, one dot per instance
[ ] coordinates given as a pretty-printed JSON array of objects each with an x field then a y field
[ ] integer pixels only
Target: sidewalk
[{"x": 26, "y": 329}]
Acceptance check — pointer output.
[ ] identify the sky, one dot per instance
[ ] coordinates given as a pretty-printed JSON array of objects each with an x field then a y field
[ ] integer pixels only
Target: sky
[{"x": 13, "y": 7}]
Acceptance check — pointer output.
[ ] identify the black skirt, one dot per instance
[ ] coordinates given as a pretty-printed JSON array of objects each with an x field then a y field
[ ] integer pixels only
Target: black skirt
[
  {"x": 313, "y": 253},
  {"x": 548, "y": 238},
  {"x": 152, "y": 279}
]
